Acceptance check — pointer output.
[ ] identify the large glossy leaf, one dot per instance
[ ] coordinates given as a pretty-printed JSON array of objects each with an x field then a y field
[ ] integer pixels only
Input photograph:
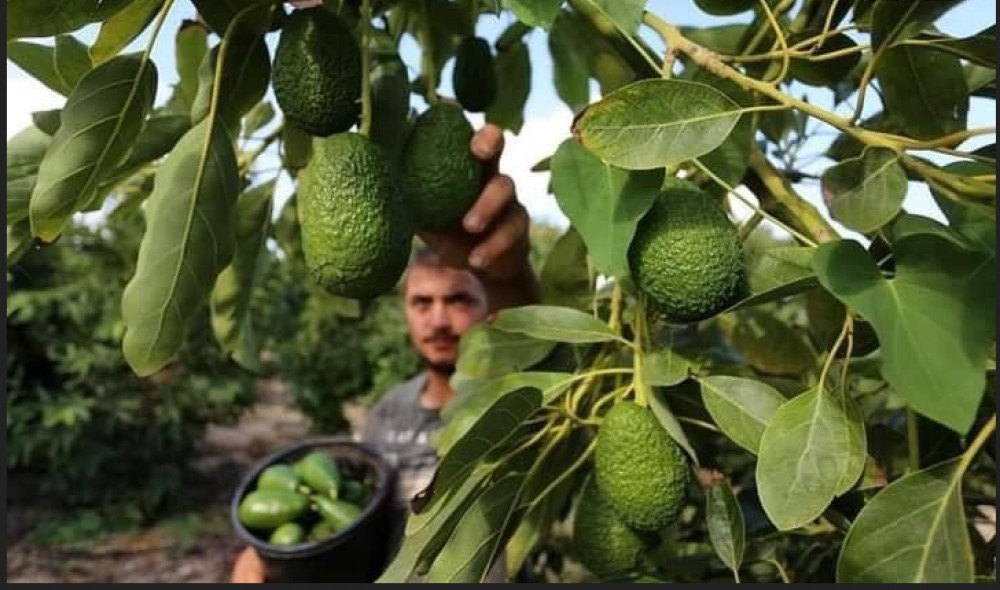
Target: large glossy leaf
[
  {"x": 24, "y": 153},
  {"x": 776, "y": 273},
  {"x": 770, "y": 345},
  {"x": 243, "y": 62},
  {"x": 59, "y": 66},
  {"x": 19, "y": 241},
  {"x": 865, "y": 193},
  {"x": 912, "y": 531},
  {"x": 190, "y": 47},
  {"x": 729, "y": 161},
  {"x": 424, "y": 539},
  {"x": 45, "y": 18},
  {"x": 535, "y": 13},
  {"x": 465, "y": 411},
  {"x": 979, "y": 230},
  {"x": 539, "y": 516},
  {"x": 924, "y": 90},
  {"x": 657, "y": 123},
  {"x": 486, "y": 351},
  {"x": 664, "y": 415},
  {"x": 604, "y": 203},
  {"x": 122, "y": 28},
  {"x": 934, "y": 319},
  {"x": 101, "y": 120},
  {"x": 979, "y": 48},
  {"x": 828, "y": 71},
  {"x": 230, "y": 299},
  {"x": 564, "y": 279},
  {"x": 726, "y": 529},
  {"x": 741, "y": 408},
  {"x": 559, "y": 324},
  {"x": 188, "y": 241},
  {"x": 570, "y": 71},
  {"x": 492, "y": 431},
  {"x": 805, "y": 455},
  {"x": 468, "y": 553},
  {"x": 895, "y": 22},
  {"x": 665, "y": 367},
  {"x": 219, "y": 14},
  {"x": 513, "y": 71}
]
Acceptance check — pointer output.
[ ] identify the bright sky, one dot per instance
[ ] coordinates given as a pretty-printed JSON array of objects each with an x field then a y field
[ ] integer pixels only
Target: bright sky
[{"x": 547, "y": 119}]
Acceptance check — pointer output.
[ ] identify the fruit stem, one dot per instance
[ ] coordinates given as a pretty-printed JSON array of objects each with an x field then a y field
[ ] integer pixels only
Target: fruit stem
[
  {"x": 366, "y": 91},
  {"x": 977, "y": 443},
  {"x": 427, "y": 57},
  {"x": 642, "y": 390},
  {"x": 912, "y": 440}
]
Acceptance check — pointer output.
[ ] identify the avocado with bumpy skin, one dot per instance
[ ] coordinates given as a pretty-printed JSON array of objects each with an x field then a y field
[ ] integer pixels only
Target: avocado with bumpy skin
[
  {"x": 317, "y": 72},
  {"x": 356, "y": 237},
  {"x": 474, "y": 78},
  {"x": 604, "y": 543},
  {"x": 640, "y": 470},
  {"x": 440, "y": 176},
  {"x": 686, "y": 255}
]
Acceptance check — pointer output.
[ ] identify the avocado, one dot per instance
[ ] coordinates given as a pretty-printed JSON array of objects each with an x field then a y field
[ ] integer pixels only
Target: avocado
[
  {"x": 356, "y": 238},
  {"x": 607, "y": 546},
  {"x": 317, "y": 72},
  {"x": 440, "y": 176},
  {"x": 640, "y": 470},
  {"x": 474, "y": 78},
  {"x": 686, "y": 255}
]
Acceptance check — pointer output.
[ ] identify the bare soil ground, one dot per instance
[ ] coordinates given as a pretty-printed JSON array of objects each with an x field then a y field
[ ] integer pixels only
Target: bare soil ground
[{"x": 196, "y": 545}]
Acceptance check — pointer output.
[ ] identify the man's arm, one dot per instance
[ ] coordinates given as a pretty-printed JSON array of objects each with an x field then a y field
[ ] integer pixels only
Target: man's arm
[{"x": 493, "y": 239}]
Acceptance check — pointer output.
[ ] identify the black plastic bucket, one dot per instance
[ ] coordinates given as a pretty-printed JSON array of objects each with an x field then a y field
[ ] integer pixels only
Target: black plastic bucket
[{"x": 355, "y": 554}]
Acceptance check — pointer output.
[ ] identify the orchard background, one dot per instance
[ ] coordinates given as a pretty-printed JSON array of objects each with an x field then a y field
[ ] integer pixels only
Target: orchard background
[{"x": 854, "y": 142}]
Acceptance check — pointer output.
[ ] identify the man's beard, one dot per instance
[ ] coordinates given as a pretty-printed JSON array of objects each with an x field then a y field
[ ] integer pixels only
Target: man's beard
[{"x": 442, "y": 368}]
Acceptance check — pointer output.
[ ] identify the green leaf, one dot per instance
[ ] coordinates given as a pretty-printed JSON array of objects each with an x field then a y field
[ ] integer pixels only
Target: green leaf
[
  {"x": 912, "y": 531},
  {"x": 468, "y": 553},
  {"x": 513, "y": 71},
  {"x": 771, "y": 346},
  {"x": 190, "y": 48},
  {"x": 982, "y": 81},
  {"x": 726, "y": 530},
  {"x": 490, "y": 432},
  {"x": 829, "y": 71},
  {"x": 559, "y": 324},
  {"x": 460, "y": 415},
  {"x": 604, "y": 203},
  {"x": 979, "y": 230},
  {"x": 47, "y": 121},
  {"x": 657, "y": 123},
  {"x": 729, "y": 161},
  {"x": 922, "y": 318},
  {"x": 925, "y": 91},
  {"x": 46, "y": 18},
  {"x": 296, "y": 146},
  {"x": 188, "y": 241},
  {"x": 665, "y": 368},
  {"x": 564, "y": 279},
  {"x": 865, "y": 193},
  {"x": 894, "y": 22},
  {"x": 669, "y": 422},
  {"x": 244, "y": 65},
  {"x": 570, "y": 70},
  {"x": 626, "y": 14},
  {"x": 805, "y": 455},
  {"x": 978, "y": 49},
  {"x": 258, "y": 117},
  {"x": 776, "y": 273},
  {"x": 486, "y": 351},
  {"x": 424, "y": 540},
  {"x": 59, "y": 67},
  {"x": 19, "y": 241},
  {"x": 219, "y": 14},
  {"x": 535, "y": 13},
  {"x": 726, "y": 39},
  {"x": 536, "y": 524},
  {"x": 101, "y": 120},
  {"x": 24, "y": 153},
  {"x": 741, "y": 408},
  {"x": 230, "y": 298},
  {"x": 725, "y": 7},
  {"x": 122, "y": 28}
]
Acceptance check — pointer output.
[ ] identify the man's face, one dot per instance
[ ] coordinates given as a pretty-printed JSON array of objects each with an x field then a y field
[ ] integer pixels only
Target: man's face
[{"x": 441, "y": 305}]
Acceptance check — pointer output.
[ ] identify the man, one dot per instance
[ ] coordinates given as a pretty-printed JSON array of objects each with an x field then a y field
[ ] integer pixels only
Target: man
[{"x": 462, "y": 278}]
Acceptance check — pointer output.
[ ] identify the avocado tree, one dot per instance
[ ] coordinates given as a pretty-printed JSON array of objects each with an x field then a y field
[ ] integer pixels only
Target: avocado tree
[{"x": 694, "y": 399}]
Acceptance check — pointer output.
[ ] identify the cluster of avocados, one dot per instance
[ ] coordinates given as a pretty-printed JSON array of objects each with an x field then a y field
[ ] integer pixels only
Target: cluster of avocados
[
  {"x": 358, "y": 209},
  {"x": 308, "y": 500}
]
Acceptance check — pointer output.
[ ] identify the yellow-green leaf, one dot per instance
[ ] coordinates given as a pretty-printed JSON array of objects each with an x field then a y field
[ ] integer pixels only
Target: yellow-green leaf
[
  {"x": 865, "y": 193},
  {"x": 24, "y": 153},
  {"x": 122, "y": 28}
]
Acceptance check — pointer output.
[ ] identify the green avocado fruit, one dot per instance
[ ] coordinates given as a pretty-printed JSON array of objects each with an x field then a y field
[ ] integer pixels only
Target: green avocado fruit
[
  {"x": 607, "y": 546},
  {"x": 473, "y": 77}
]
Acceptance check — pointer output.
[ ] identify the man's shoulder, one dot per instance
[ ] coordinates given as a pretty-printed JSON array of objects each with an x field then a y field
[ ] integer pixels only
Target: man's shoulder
[{"x": 401, "y": 394}]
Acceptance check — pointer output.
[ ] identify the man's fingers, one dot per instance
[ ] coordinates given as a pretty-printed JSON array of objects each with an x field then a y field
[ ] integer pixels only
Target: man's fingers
[
  {"x": 496, "y": 195},
  {"x": 487, "y": 143},
  {"x": 510, "y": 230}
]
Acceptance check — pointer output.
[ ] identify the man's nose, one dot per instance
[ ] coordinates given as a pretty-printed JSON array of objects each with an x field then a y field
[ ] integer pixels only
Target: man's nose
[{"x": 439, "y": 315}]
